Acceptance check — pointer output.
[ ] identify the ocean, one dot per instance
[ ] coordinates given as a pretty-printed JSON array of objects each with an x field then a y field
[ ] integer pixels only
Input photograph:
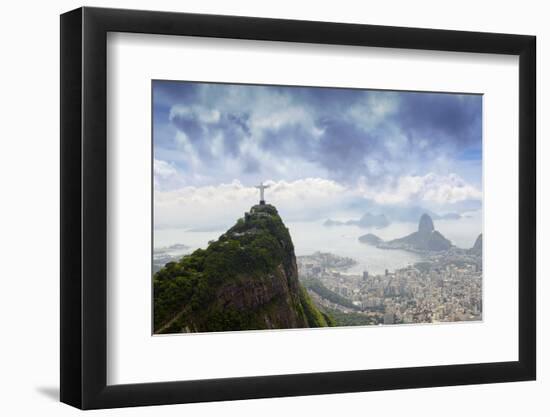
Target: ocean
[{"x": 309, "y": 237}]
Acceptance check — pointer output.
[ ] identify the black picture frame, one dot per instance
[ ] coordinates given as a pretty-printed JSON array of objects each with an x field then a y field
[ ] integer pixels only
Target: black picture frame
[{"x": 84, "y": 207}]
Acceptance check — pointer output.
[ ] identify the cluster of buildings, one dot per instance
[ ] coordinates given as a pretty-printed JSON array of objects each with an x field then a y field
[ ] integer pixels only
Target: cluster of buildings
[
  {"x": 324, "y": 262},
  {"x": 437, "y": 290}
]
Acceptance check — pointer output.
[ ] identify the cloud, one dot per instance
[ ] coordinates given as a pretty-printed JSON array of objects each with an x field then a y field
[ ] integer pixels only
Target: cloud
[
  {"x": 373, "y": 108},
  {"x": 451, "y": 121},
  {"x": 213, "y": 133},
  {"x": 199, "y": 113},
  {"x": 166, "y": 175},
  {"x": 192, "y": 206},
  {"x": 430, "y": 188},
  {"x": 304, "y": 199}
]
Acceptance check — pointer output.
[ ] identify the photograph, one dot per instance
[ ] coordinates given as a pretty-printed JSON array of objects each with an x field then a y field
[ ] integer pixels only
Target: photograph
[
  {"x": 245, "y": 209},
  {"x": 296, "y": 207}
]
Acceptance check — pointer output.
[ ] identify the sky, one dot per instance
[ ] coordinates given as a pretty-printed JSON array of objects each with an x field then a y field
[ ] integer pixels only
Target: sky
[{"x": 325, "y": 152}]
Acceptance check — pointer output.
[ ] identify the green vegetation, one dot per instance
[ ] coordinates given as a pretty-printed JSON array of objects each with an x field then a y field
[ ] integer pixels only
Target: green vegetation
[
  {"x": 314, "y": 317},
  {"x": 317, "y": 286},
  {"x": 213, "y": 289},
  {"x": 351, "y": 319}
]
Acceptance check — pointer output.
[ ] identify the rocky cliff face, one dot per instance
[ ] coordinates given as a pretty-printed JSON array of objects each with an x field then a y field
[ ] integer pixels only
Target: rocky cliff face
[
  {"x": 247, "y": 279},
  {"x": 478, "y": 245},
  {"x": 426, "y": 225},
  {"x": 426, "y": 239}
]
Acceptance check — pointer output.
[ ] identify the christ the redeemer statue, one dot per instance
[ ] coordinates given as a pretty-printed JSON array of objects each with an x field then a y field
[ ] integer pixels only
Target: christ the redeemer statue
[{"x": 262, "y": 187}]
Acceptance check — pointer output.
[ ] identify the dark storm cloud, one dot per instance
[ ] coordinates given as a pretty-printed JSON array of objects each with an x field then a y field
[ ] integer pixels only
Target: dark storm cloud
[
  {"x": 250, "y": 164},
  {"x": 448, "y": 120},
  {"x": 201, "y": 133},
  {"x": 289, "y": 140},
  {"x": 343, "y": 146},
  {"x": 192, "y": 126},
  {"x": 345, "y": 133},
  {"x": 328, "y": 100},
  {"x": 167, "y": 93}
]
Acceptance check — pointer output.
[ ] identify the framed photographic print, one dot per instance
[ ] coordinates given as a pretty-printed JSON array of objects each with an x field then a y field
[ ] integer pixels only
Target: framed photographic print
[{"x": 258, "y": 207}]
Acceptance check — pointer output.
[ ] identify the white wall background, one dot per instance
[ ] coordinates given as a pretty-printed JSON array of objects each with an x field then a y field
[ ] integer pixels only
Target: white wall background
[{"x": 29, "y": 225}]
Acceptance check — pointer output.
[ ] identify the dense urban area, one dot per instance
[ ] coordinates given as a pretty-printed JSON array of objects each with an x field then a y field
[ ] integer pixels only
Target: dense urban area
[{"x": 445, "y": 287}]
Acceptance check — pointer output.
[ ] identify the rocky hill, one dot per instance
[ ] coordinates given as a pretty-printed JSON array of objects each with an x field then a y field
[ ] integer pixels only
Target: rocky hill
[
  {"x": 246, "y": 280},
  {"x": 426, "y": 239},
  {"x": 370, "y": 239},
  {"x": 478, "y": 245}
]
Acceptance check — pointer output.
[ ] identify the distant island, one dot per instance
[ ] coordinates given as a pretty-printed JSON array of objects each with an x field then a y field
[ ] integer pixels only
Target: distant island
[
  {"x": 379, "y": 221},
  {"x": 429, "y": 242},
  {"x": 368, "y": 220},
  {"x": 370, "y": 239},
  {"x": 425, "y": 239},
  {"x": 413, "y": 213}
]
